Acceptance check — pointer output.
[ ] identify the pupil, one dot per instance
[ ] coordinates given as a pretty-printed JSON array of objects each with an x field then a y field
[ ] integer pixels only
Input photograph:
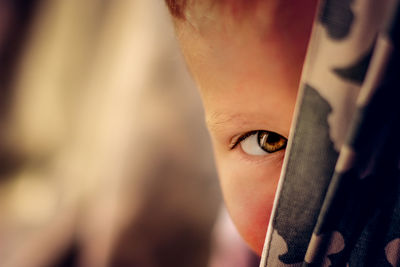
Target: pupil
[
  {"x": 270, "y": 141},
  {"x": 273, "y": 138}
]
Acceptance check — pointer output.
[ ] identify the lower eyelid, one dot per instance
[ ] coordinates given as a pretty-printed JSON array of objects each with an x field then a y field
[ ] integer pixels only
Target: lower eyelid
[{"x": 271, "y": 158}]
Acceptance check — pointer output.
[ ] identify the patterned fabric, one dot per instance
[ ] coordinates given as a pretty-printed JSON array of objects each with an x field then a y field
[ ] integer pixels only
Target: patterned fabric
[{"x": 338, "y": 201}]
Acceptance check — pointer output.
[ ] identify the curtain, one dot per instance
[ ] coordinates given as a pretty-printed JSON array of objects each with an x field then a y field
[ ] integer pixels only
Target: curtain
[{"x": 338, "y": 199}]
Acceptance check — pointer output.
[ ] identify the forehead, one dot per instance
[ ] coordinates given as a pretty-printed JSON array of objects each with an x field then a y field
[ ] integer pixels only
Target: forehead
[
  {"x": 230, "y": 16},
  {"x": 224, "y": 53},
  {"x": 238, "y": 21},
  {"x": 238, "y": 74},
  {"x": 249, "y": 65}
]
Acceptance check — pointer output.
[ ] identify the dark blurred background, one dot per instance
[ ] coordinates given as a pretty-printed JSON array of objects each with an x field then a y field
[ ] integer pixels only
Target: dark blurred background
[{"x": 104, "y": 156}]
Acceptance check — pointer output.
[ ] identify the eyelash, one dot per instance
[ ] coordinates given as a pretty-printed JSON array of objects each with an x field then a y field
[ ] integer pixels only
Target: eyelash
[{"x": 236, "y": 142}]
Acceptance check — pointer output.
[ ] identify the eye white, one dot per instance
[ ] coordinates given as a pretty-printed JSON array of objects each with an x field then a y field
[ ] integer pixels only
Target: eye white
[{"x": 251, "y": 146}]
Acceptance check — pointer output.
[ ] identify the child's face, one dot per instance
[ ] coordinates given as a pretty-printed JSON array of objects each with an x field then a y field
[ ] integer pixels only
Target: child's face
[{"x": 248, "y": 74}]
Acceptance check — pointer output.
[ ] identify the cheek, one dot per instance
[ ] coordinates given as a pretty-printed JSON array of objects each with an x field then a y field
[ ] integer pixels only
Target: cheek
[{"x": 249, "y": 191}]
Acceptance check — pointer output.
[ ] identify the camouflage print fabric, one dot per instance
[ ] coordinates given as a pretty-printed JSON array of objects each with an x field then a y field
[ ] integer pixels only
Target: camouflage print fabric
[{"x": 338, "y": 200}]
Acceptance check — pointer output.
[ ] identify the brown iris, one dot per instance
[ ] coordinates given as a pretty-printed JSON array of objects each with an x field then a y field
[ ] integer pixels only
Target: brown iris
[{"x": 270, "y": 141}]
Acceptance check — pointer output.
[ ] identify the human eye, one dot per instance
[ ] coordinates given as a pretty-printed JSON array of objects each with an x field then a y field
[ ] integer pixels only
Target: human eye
[{"x": 261, "y": 142}]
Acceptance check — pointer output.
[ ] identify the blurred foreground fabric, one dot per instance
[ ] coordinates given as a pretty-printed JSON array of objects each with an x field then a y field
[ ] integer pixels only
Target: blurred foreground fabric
[
  {"x": 338, "y": 201},
  {"x": 105, "y": 160}
]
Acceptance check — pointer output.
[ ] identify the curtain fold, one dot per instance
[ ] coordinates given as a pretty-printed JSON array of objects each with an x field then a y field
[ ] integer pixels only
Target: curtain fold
[{"x": 338, "y": 201}]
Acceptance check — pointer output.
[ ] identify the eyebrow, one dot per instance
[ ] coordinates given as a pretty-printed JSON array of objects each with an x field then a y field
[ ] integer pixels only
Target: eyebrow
[
  {"x": 218, "y": 122},
  {"x": 215, "y": 121}
]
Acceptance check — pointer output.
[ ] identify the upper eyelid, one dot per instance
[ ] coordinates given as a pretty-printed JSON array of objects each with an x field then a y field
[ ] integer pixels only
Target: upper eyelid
[{"x": 235, "y": 141}]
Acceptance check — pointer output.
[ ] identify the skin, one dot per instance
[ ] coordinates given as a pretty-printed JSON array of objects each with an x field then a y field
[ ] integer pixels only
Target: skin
[{"x": 247, "y": 66}]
